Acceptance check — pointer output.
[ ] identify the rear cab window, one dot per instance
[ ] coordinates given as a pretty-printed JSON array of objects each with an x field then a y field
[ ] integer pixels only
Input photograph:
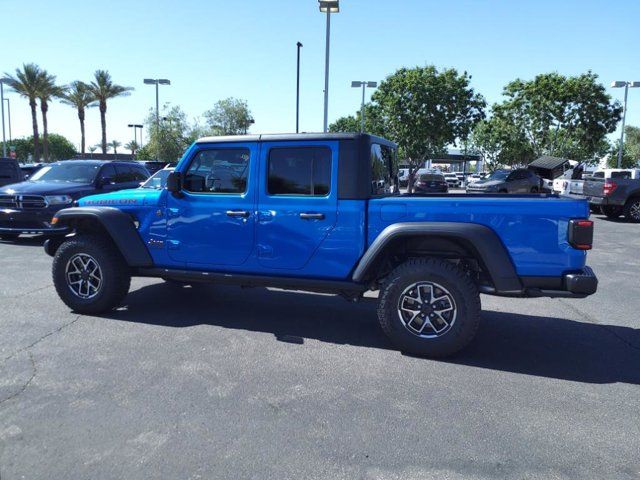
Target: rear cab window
[
  {"x": 304, "y": 171},
  {"x": 384, "y": 170}
]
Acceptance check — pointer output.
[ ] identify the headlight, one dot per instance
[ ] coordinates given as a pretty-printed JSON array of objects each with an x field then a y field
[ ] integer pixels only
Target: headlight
[{"x": 58, "y": 199}]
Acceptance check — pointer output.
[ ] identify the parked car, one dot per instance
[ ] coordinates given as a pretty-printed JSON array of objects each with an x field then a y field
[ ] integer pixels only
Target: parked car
[
  {"x": 30, "y": 168},
  {"x": 520, "y": 180},
  {"x": 153, "y": 166},
  {"x": 306, "y": 212},
  {"x": 431, "y": 183},
  {"x": 28, "y": 207},
  {"x": 615, "y": 196},
  {"x": 10, "y": 171},
  {"x": 473, "y": 178},
  {"x": 158, "y": 180},
  {"x": 452, "y": 180}
]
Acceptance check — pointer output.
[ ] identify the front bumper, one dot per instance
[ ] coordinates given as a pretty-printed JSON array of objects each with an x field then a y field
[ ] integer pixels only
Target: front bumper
[{"x": 36, "y": 221}]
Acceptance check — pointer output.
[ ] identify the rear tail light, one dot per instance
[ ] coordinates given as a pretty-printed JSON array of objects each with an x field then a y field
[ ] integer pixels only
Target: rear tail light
[
  {"x": 581, "y": 234},
  {"x": 609, "y": 187}
]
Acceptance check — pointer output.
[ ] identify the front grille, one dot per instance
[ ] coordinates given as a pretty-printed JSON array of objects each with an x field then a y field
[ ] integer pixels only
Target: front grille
[
  {"x": 26, "y": 202},
  {"x": 31, "y": 201}
]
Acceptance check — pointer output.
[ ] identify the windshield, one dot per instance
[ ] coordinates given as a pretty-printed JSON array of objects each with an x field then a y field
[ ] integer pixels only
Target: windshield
[
  {"x": 67, "y": 172},
  {"x": 158, "y": 180},
  {"x": 498, "y": 175}
]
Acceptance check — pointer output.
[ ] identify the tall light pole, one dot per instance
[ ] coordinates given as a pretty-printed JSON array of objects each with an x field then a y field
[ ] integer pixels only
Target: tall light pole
[
  {"x": 626, "y": 85},
  {"x": 328, "y": 7},
  {"x": 157, "y": 82},
  {"x": 357, "y": 84},
  {"x": 299, "y": 45},
  {"x": 4, "y": 142},
  {"x": 9, "y": 118},
  {"x": 135, "y": 127}
]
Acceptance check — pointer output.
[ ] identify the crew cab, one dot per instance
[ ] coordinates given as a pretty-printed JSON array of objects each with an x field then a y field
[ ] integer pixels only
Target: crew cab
[{"x": 323, "y": 212}]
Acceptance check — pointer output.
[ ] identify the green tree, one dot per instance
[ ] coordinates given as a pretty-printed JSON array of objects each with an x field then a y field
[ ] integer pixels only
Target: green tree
[
  {"x": 114, "y": 144},
  {"x": 132, "y": 146},
  {"x": 425, "y": 110},
  {"x": 47, "y": 90},
  {"x": 230, "y": 116},
  {"x": 561, "y": 116},
  {"x": 26, "y": 83},
  {"x": 102, "y": 88},
  {"x": 78, "y": 96},
  {"x": 60, "y": 148},
  {"x": 373, "y": 122},
  {"x": 169, "y": 140},
  {"x": 500, "y": 143},
  {"x": 630, "y": 151}
]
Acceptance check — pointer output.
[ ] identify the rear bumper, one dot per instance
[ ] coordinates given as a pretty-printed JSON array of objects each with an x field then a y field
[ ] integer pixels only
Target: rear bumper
[{"x": 579, "y": 284}]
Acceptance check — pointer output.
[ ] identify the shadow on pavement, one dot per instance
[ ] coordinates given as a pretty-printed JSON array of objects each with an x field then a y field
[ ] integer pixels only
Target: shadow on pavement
[{"x": 526, "y": 344}]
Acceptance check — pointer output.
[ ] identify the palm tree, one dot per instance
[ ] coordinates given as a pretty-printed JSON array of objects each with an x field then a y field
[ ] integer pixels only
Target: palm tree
[
  {"x": 47, "y": 90},
  {"x": 92, "y": 149},
  {"x": 79, "y": 97},
  {"x": 103, "y": 89},
  {"x": 114, "y": 144},
  {"x": 132, "y": 146},
  {"x": 26, "y": 83}
]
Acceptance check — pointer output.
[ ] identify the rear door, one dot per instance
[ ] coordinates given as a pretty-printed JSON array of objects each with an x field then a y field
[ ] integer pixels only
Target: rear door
[{"x": 297, "y": 201}]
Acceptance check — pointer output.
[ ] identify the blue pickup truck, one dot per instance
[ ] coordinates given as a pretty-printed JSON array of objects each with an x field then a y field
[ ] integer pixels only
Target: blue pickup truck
[{"x": 323, "y": 212}]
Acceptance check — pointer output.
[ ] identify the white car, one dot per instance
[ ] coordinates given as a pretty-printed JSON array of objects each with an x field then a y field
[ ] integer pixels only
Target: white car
[{"x": 452, "y": 180}]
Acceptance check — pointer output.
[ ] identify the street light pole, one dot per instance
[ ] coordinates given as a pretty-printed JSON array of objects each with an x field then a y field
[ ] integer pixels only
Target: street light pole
[
  {"x": 9, "y": 118},
  {"x": 357, "y": 84},
  {"x": 157, "y": 82},
  {"x": 4, "y": 142},
  {"x": 299, "y": 45},
  {"x": 328, "y": 7},
  {"x": 626, "y": 85}
]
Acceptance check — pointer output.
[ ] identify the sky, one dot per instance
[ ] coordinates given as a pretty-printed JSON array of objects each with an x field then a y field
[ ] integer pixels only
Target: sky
[{"x": 246, "y": 49}]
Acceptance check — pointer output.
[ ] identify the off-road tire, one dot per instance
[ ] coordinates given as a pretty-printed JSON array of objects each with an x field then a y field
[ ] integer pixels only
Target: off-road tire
[
  {"x": 116, "y": 276},
  {"x": 461, "y": 288},
  {"x": 611, "y": 211},
  {"x": 632, "y": 210}
]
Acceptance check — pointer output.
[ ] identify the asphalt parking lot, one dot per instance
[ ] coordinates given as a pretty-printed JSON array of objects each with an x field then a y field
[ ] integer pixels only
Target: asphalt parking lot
[{"x": 223, "y": 382}]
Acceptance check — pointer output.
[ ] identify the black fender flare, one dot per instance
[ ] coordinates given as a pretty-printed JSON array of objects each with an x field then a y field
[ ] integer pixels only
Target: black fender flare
[
  {"x": 118, "y": 224},
  {"x": 489, "y": 248}
]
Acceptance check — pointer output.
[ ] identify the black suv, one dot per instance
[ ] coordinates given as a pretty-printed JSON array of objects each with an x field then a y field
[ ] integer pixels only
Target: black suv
[
  {"x": 521, "y": 180},
  {"x": 28, "y": 207},
  {"x": 10, "y": 171}
]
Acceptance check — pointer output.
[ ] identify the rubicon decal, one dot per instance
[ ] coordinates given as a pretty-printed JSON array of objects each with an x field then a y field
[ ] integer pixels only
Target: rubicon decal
[{"x": 115, "y": 201}]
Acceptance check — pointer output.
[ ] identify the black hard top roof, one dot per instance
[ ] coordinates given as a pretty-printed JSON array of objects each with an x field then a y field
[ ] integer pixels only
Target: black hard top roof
[
  {"x": 280, "y": 137},
  {"x": 548, "y": 162}
]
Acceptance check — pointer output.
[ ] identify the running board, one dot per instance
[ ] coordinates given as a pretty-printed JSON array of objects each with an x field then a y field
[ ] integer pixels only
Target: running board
[{"x": 286, "y": 283}]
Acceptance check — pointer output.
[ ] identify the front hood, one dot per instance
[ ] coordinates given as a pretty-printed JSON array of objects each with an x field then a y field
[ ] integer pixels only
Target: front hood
[
  {"x": 44, "y": 188},
  {"x": 486, "y": 183},
  {"x": 132, "y": 197}
]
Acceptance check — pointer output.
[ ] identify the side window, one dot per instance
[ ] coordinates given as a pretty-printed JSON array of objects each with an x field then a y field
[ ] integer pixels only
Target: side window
[
  {"x": 107, "y": 175},
  {"x": 383, "y": 170},
  {"x": 299, "y": 171},
  {"x": 598, "y": 175},
  {"x": 124, "y": 174},
  {"x": 219, "y": 170},
  {"x": 620, "y": 174}
]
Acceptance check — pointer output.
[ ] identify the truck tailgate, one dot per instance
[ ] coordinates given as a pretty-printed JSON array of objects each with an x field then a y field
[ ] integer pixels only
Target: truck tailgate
[{"x": 593, "y": 188}]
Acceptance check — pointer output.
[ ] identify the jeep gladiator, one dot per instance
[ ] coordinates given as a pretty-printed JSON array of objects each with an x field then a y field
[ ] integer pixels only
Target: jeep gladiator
[{"x": 323, "y": 212}]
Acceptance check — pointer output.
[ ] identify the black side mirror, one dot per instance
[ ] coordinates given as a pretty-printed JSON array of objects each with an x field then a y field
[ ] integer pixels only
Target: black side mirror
[{"x": 174, "y": 183}]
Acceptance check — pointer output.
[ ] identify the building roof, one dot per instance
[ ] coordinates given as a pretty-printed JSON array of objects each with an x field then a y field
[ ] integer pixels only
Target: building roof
[{"x": 548, "y": 162}]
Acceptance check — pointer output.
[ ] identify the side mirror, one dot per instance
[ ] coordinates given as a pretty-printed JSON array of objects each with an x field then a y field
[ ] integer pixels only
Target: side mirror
[{"x": 174, "y": 183}]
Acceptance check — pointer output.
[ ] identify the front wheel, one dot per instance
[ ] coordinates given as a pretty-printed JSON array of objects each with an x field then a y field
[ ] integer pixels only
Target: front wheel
[
  {"x": 429, "y": 307},
  {"x": 632, "y": 210},
  {"x": 90, "y": 274}
]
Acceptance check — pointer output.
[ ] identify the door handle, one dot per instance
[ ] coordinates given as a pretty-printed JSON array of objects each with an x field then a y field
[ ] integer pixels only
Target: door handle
[
  {"x": 312, "y": 216},
  {"x": 238, "y": 213}
]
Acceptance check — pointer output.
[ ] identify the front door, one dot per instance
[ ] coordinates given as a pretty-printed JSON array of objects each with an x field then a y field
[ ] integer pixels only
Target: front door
[
  {"x": 212, "y": 223},
  {"x": 297, "y": 203}
]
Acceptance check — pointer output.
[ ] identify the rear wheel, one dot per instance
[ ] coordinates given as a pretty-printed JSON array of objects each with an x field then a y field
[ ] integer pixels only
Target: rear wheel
[
  {"x": 9, "y": 236},
  {"x": 611, "y": 211},
  {"x": 429, "y": 307},
  {"x": 632, "y": 210},
  {"x": 90, "y": 275}
]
